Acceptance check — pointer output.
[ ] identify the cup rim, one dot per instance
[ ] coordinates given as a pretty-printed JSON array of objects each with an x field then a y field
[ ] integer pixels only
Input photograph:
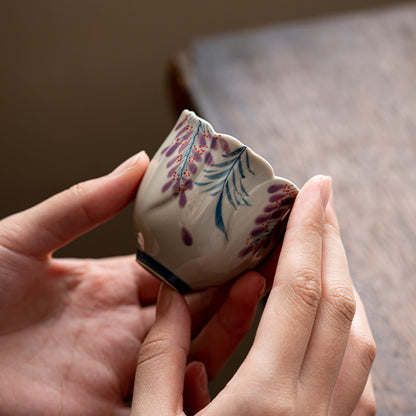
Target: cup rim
[{"x": 238, "y": 143}]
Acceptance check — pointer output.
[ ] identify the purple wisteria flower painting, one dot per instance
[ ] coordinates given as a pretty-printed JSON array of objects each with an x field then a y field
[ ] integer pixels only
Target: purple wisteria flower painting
[
  {"x": 191, "y": 155},
  {"x": 280, "y": 200},
  {"x": 192, "y": 147},
  {"x": 208, "y": 207}
]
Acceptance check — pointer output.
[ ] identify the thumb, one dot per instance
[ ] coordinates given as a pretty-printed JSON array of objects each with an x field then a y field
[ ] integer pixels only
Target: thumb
[
  {"x": 53, "y": 223},
  {"x": 158, "y": 386}
]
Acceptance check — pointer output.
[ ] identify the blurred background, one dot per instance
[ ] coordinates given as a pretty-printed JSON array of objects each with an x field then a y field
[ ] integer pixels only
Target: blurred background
[{"x": 83, "y": 85}]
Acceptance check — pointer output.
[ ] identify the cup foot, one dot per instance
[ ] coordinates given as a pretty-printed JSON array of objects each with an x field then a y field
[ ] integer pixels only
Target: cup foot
[{"x": 161, "y": 272}]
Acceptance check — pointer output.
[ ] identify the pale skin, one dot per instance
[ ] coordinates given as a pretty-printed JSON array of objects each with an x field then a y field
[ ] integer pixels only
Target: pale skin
[
  {"x": 71, "y": 330},
  {"x": 313, "y": 349}
]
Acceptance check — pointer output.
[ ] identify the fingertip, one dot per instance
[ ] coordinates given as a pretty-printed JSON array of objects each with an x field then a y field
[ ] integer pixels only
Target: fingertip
[
  {"x": 149, "y": 287},
  {"x": 331, "y": 197},
  {"x": 319, "y": 185},
  {"x": 330, "y": 213},
  {"x": 128, "y": 175},
  {"x": 268, "y": 267},
  {"x": 171, "y": 302},
  {"x": 308, "y": 213},
  {"x": 197, "y": 372},
  {"x": 139, "y": 160},
  {"x": 238, "y": 312},
  {"x": 196, "y": 393},
  {"x": 249, "y": 286},
  {"x": 326, "y": 190},
  {"x": 164, "y": 300}
]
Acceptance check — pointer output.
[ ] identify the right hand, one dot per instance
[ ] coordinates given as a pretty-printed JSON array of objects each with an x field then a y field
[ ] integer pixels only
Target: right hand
[{"x": 313, "y": 349}]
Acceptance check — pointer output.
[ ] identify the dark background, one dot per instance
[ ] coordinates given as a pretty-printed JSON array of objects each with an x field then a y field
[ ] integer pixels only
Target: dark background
[{"x": 83, "y": 86}]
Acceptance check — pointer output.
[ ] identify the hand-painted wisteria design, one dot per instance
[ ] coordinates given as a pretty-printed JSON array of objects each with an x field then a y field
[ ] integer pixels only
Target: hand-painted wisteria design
[
  {"x": 198, "y": 152},
  {"x": 191, "y": 147},
  {"x": 276, "y": 211}
]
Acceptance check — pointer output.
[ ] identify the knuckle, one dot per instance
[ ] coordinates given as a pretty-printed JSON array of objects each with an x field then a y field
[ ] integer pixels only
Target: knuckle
[
  {"x": 331, "y": 231},
  {"x": 78, "y": 192},
  {"x": 366, "y": 350},
  {"x": 370, "y": 408},
  {"x": 306, "y": 287},
  {"x": 367, "y": 406},
  {"x": 343, "y": 303},
  {"x": 313, "y": 226},
  {"x": 153, "y": 351},
  {"x": 369, "y": 352}
]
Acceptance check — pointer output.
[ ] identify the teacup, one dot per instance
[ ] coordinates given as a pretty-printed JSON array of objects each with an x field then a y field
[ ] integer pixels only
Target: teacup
[{"x": 208, "y": 207}]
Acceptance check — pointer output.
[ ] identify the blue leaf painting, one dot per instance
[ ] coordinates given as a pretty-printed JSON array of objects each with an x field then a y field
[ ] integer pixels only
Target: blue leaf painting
[{"x": 225, "y": 181}]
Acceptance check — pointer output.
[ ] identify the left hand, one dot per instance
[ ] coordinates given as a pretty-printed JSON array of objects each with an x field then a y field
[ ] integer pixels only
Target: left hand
[{"x": 71, "y": 329}]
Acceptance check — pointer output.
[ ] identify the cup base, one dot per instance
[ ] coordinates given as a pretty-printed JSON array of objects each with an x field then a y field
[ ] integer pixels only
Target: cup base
[{"x": 161, "y": 272}]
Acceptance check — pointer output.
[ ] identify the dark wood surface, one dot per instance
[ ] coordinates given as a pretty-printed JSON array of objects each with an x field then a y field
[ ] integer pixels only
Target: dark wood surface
[{"x": 335, "y": 96}]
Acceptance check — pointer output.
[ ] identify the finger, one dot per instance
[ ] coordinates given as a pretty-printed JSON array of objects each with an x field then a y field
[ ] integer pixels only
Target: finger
[
  {"x": 333, "y": 320},
  {"x": 268, "y": 267},
  {"x": 356, "y": 365},
  {"x": 122, "y": 411},
  {"x": 159, "y": 380},
  {"x": 53, "y": 223},
  {"x": 284, "y": 330},
  {"x": 196, "y": 395},
  {"x": 149, "y": 287},
  {"x": 367, "y": 403},
  {"x": 221, "y": 336},
  {"x": 204, "y": 304}
]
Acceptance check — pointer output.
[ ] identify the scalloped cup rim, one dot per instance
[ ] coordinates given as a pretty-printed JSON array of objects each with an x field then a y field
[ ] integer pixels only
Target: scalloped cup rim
[
  {"x": 239, "y": 143},
  {"x": 176, "y": 238}
]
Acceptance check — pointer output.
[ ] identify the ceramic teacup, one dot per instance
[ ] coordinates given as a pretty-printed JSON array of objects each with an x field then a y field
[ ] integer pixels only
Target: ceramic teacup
[{"x": 208, "y": 207}]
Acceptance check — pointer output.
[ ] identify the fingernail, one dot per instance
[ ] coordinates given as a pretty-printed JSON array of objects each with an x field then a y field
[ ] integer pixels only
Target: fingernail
[
  {"x": 164, "y": 300},
  {"x": 331, "y": 198},
  {"x": 326, "y": 187},
  {"x": 128, "y": 163}
]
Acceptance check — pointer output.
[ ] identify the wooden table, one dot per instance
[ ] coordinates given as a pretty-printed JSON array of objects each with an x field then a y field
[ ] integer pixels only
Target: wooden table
[{"x": 335, "y": 96}]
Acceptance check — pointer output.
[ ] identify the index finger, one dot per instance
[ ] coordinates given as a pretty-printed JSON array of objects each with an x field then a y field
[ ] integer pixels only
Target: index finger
[{"x": 286, "y": 325}]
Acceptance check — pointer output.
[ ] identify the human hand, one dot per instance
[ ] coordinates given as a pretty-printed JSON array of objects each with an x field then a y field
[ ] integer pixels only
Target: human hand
[
  {"x": 313, "y": 349},
  {"x": 71, "y": 329}
]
